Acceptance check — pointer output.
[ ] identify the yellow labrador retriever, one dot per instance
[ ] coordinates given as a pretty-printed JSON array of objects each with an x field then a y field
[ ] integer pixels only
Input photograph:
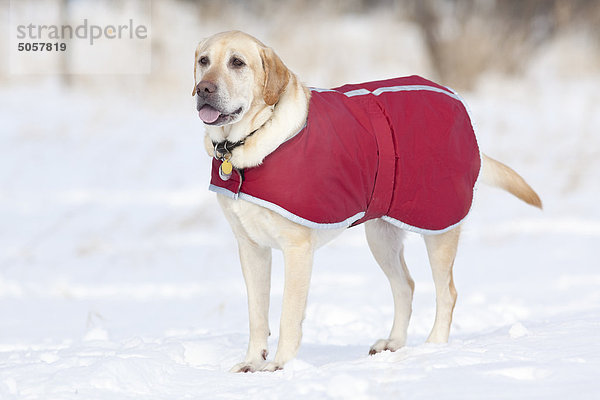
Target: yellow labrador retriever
[{"x": 251, "y": 105}]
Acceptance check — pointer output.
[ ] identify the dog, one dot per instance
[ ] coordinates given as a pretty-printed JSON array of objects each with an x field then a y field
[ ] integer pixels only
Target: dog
[{"x": 258, "y": 114}]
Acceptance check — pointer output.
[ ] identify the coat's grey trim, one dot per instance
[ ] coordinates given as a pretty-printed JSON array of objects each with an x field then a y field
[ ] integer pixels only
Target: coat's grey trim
[
  {"x": 336, "y": 225},
  {"x": 404, "y": 88},
  {"x": 357, "y": 92},
  {"x": 379, "y": 91},
  {"x": 297, "y": 219},
  {"x": 321, "y": 90},
  {"x": 223, "y": 191},
  {"x": 421, "y": 231},
  {"x": 283, "y": 212},
  {"x": 385, "y": 89}
]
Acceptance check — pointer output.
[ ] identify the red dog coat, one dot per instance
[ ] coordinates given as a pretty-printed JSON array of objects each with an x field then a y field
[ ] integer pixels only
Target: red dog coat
[{"x": 401, "y": 149}]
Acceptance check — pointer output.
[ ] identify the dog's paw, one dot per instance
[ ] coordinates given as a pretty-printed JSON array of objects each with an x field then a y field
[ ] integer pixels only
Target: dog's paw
[
  {"x": 385, "y": 344},
  {"x": 252, "y": 364},
  {"x": 248, "y": 366},
  {"x": 272, "y": 366}
]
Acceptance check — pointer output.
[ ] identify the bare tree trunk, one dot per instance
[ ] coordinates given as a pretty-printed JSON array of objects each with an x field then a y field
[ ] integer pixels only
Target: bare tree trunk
[
  {"x": 427, "y": 20},
  {"x": 65, "y": 70}
]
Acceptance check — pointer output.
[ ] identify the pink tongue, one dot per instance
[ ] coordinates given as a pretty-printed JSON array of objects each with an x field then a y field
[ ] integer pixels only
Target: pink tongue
[{"x": 208, "y": 114}]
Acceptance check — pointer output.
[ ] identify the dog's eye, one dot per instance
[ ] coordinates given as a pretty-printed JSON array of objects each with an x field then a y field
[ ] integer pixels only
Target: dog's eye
[
  {"x": 203, "y": 60},
  {"x": 236, "y": 62}
]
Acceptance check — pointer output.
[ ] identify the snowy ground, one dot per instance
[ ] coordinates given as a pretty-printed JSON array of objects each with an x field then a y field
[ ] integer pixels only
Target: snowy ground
[{"x": 119, "y": 277}]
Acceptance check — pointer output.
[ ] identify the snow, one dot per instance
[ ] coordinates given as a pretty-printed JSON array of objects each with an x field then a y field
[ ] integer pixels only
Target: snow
[{"x": 119, "y": 277}]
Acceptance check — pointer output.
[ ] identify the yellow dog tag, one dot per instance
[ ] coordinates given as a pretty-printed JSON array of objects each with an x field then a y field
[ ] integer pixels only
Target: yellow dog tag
[
  {"x": 226, "y": 167},
  {"x": 225, "y": 170}
]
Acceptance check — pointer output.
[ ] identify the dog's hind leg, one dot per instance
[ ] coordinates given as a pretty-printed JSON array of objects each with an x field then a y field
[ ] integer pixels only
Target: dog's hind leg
[
  {"x": 385, "y": 242},
  {"x": 442, "y": 251}
]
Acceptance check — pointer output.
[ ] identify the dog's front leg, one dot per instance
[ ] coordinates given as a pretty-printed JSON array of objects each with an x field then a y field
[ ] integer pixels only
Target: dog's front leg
[
  {"x": 256, "y": 267},
  {"x": 298, "y": 267}
]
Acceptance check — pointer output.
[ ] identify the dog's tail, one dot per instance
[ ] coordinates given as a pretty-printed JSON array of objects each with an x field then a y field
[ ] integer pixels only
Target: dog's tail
[{"x": 494, "y": 173}]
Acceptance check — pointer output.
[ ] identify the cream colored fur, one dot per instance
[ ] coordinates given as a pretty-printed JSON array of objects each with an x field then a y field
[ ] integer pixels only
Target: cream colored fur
[{"x": 275, "y": 104}]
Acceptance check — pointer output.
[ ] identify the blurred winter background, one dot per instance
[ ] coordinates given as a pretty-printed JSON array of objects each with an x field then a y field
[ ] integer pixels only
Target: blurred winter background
[{"x": 119, "y": 276}]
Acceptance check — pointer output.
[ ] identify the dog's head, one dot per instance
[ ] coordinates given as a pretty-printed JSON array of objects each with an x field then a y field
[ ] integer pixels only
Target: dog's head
[{"x": 235, "y": 75}]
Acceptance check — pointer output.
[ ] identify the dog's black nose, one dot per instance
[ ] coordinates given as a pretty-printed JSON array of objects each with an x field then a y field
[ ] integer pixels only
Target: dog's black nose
[{"x": 206, "y": 87}]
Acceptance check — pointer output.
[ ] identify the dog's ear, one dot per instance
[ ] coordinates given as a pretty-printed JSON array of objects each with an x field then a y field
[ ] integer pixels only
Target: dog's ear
[
  {"x": 195, "y": 67},
  {"x": 277, "y": 75}
]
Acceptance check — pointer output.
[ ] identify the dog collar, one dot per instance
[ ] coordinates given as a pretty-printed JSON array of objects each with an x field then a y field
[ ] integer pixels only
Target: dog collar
[
  {"x": 223, "y": 149},
  {"x": 223, "y": 153}
]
